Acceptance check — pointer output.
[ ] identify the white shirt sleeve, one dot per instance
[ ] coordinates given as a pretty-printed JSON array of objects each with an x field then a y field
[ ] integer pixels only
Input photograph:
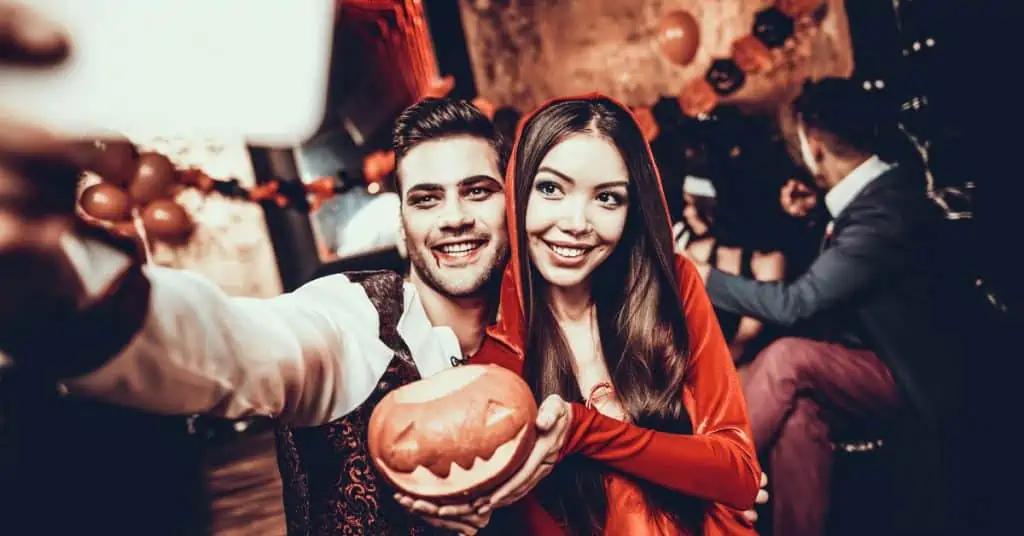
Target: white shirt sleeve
[{"x": 307, "y": 357}]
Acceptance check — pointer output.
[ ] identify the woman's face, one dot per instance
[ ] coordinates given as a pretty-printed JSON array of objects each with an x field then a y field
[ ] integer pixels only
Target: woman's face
[{"x": 577, "y": 209}]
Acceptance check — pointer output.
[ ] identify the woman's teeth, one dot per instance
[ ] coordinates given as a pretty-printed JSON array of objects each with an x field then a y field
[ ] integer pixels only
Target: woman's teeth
[{"x": 568, "y": 252}]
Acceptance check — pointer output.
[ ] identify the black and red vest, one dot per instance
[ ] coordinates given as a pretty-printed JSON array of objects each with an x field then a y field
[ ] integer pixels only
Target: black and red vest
[{"x": 330, "y": 485}]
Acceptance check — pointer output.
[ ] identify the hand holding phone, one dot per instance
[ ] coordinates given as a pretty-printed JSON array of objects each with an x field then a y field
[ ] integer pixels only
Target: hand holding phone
[{"x": 254, "y": 70}]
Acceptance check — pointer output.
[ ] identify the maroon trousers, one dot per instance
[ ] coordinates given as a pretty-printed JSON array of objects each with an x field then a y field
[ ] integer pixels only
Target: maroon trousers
[{"x": 798, "y": 390}]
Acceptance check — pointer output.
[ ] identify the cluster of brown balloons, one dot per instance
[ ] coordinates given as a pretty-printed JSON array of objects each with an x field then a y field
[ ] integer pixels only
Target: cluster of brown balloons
[{"x": 135, "y": 184}]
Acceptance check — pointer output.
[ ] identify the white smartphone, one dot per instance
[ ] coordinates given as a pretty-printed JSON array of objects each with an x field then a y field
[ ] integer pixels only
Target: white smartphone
[{"x": 255, "y": 70}]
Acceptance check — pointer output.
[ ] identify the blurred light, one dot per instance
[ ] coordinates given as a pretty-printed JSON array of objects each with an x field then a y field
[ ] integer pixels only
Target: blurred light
[
  {"x": 917, "y": 45},
  {"x": 373, "y": 187},
  {"x": 867, "y": 85},
  {"x": 929, "y": 42},
  {"x": 879, "y": 84}
]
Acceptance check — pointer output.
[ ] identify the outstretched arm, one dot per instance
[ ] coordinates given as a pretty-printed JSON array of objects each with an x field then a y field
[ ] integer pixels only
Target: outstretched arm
[
  {"x": 717, "y": 462},
  {"x": 307, "y": 357}
]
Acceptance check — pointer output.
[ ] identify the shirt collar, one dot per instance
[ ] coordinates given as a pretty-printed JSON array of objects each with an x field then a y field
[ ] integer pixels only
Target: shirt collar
[
  {"x": 431, "y": 347},
  {"x": 843, "y": 193}
]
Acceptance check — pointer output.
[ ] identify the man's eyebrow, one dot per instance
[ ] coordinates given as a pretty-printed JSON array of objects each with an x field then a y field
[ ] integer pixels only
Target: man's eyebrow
[{"x": 475, "y": 179}]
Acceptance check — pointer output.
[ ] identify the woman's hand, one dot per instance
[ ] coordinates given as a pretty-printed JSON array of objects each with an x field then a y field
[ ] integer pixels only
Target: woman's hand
[
  {"x": 762, "y": 498},
  {"x": 553, "y": 418}
]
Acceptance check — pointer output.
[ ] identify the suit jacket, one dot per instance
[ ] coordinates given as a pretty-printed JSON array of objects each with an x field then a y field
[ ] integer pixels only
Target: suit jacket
[{"x": 880, "y": 280}]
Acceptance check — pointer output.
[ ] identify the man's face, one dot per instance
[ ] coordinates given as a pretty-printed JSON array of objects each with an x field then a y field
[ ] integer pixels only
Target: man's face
[
  {"x": 453, "y": 213},
  {"x": 808, "y": 150}
]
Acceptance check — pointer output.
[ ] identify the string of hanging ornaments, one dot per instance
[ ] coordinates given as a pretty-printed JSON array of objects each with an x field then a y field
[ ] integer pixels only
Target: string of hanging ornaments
[
  {"x": 136, "y": 192},
  {"x": 751, "y": 54}
]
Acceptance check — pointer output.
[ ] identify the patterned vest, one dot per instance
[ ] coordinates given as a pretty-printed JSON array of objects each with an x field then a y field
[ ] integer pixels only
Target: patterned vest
[{"x": 330, "y": 485}]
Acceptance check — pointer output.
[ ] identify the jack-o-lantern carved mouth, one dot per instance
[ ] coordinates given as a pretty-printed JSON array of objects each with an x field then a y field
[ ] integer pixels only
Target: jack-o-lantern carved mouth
[
  {"x": 420, "y": 444},
  {"x": 454, "y": 430}
]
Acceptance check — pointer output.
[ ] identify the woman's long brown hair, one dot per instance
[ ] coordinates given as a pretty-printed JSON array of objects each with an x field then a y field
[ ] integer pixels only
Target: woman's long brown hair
[{"x": 640, "y": 318}]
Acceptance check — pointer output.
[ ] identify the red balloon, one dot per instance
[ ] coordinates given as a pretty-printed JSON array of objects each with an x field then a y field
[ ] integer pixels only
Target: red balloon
[
  {"x": 153, "y": 179},
  {"x": 679, "y": 37},
  {"x": 106, "y": 202},
  {"x": 116, "y": 161},
  {"x": 167, "y": 221}
]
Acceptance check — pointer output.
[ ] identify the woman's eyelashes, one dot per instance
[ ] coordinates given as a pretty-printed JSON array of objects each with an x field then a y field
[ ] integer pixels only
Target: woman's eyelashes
[{"x": 606, "y": 198}]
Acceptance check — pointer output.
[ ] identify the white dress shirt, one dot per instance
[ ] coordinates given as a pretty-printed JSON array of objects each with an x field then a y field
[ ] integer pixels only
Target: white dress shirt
[
  {"x": 843, "y": 193},
  {"x": 306, "y": 357}
]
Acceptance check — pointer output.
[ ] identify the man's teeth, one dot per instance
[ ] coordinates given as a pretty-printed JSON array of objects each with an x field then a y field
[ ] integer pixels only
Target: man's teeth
[
  {"x": 459, "y": 248},
  {"x": 568, "y": 252}
]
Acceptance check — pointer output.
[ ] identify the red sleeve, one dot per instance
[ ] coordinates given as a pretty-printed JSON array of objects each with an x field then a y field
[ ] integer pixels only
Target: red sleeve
[{"x": 716, "y": 463}]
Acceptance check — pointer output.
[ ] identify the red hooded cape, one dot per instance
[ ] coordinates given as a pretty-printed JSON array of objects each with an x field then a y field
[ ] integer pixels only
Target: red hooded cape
[{"x": 717, "y": 463}]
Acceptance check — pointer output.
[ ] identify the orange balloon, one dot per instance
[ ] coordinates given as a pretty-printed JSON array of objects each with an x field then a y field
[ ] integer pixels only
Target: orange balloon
[
  {"x": 679, "y": 37},
  {"x": 106, "y": 202},
  {"x": 167, "y": 221}
]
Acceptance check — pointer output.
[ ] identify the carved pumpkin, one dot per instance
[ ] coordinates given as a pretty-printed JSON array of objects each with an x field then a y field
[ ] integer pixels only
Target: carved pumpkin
[
  {"x": 698, "y": 98},
  {"x": 751, "y": 55},
  {"x": 455, "y": 435}
]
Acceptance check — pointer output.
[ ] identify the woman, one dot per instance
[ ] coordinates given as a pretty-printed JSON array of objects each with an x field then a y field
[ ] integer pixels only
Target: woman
[
  {"x": 609, "y": 319},
  {"x": 712, "y": 232}
]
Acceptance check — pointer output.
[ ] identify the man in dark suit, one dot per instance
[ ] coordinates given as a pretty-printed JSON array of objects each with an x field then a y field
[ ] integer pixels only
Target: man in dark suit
[{"x": 875, "y": 299}]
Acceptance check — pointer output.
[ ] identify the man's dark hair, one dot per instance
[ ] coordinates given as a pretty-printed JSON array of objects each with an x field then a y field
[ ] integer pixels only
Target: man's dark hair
[
  {"x": 849, "y": 117},
  {"x": 433, "y": 118}
]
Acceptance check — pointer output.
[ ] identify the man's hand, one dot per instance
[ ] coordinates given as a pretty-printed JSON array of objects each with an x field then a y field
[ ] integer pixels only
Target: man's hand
[
  {"x": 553, "y": 418},
  {"x": 38, "y": 171},
  {"x": 797, "y": 199},
  {"x": 467, "y": 525},
  {"x": 762, "y": 498},
  {"x": 703, "y": 269}
]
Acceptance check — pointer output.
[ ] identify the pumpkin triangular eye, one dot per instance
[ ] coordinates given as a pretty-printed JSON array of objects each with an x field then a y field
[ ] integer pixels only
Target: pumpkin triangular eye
[
  {"x": 406, "y": 441},
  {"x": 496, "y": 412}
]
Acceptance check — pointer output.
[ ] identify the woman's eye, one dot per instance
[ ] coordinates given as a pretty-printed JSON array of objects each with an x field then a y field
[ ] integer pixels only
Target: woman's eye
[
  {"x": 611, "y": 199},
  {"x": 547, "y": 188}
]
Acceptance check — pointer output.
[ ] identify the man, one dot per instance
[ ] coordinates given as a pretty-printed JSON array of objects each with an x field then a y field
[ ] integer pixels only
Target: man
[
  {"x": 168, "y": 341},
  {"x": 876, "y": 298}
]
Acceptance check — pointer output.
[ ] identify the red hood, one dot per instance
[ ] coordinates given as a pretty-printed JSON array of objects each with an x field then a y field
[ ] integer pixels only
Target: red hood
[{"x": 510, "y": 326}]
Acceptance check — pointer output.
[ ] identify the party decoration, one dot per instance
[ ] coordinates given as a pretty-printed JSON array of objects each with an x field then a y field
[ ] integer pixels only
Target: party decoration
[
  {"x": 772, "y": 27},
  {"x": 647, "y": 123},
  {"x": 679, "y": 37},
  {"x": 378, "y": 164},
  {"x": 725, "y": 77},
  {"x": 796, "y": 9},
  {"x": 153, "y": 178},
  {"x": 114, "y": 160},
  {"x": 456, "y": 435},
  {"x": 107, "y": 202},
  {"x": 440, "y": 87},
  {"x": 485, "y": 106},
  {"x": 167, "y": 221},
  {"x": 751, "y": 55},
  {"x": 698, "y": 98}
]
